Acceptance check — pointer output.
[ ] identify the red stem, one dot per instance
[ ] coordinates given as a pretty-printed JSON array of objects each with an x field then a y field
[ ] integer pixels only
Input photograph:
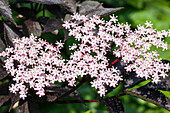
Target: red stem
[{"x": 112, "y": 63}]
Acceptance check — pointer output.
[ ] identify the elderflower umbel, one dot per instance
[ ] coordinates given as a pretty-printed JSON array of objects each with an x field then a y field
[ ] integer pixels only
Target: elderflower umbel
[
  {"x": 34, "y": 58},
  {"x": 95, "y": 35}
]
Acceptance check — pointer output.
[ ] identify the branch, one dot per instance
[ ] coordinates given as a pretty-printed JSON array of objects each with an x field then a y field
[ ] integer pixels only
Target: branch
[
  {"x": 83, "y": 80},
  {"x": 74, "y": 101}
]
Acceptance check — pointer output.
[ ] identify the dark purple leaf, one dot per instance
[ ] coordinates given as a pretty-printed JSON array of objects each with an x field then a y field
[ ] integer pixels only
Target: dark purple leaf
[
  {"x": 26, "y": 12},
  {"x": 166, "y": 61},
  {"x": 43, "y": 20},
  {"x": 52, "y": 25},
  {"x": 3, "y": 73},
  {"x": 6, "y": 11},
  {"x": 70, "y": 5},
  {"x": 3, "y": 99},
  {"x": 2, "y": 48},
  {"x": 1, "y": 27},
  {"x": 28, "y": 106},
  {"x": 56, "y": 10},
  {"x": 54, "y": 91},
  {"x": 151, "y": 95},
  {"x": 33, "y": 106},
  {"x": 58, "y": 2},
  {"x": 91, "y": 8},
  {"x": 87, "y": 6},
  {"x": 24, "y": 108},
  {"x": 21, "y": 1},
  {"x": 103, "y": 11},
  {"x": 66, "y": 36},
  {"x": 130, "y": 80},
  {"x": 14, "y": 99},
  {"x": 120, "y": 66},
  {"x": 10, "y": 34},
  {"x": 113, "y": 104},
  {"x": 32, "y": 27},
  {"x": 164, "y": 84},
  {"x": 4, "y": 89},
  {"x": 67, "y": 17}
]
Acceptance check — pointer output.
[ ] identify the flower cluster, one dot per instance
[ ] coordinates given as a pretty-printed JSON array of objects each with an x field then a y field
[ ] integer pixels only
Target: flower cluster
[
  {"x": 32, "y": 62},
  {"x": 95, "y": 36},
  {"x": 39, "y": 63}
]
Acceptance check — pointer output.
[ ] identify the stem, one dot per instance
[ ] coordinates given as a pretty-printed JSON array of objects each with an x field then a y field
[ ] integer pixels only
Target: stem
[
  {"x": 114, "y": 62},
  {"x": 86, "y": 101},
  {"x": 74, "y": 101},
  {"x": 83, "y": 80},
  {"x": 43, "y": 11},
  {"x": 32, "y": 6}
]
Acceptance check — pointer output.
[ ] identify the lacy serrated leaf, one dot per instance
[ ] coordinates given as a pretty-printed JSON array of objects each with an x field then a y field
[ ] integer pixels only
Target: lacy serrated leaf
[
  {"x": 52, "y": 25},
  {"x": 113, "y": 104},
  {"x": 14, "y": 99},
  {"x": 6, "y": 11},
  {"x": 151, "y": 95},
  {"x": 59, "y": 2},
  {"x": 32, "y": 27},
  {"x": 10, "y": 34}
]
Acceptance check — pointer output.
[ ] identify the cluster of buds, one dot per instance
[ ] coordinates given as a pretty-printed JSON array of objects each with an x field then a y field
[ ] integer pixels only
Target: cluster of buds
[{"x": 40, "y": 64}]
